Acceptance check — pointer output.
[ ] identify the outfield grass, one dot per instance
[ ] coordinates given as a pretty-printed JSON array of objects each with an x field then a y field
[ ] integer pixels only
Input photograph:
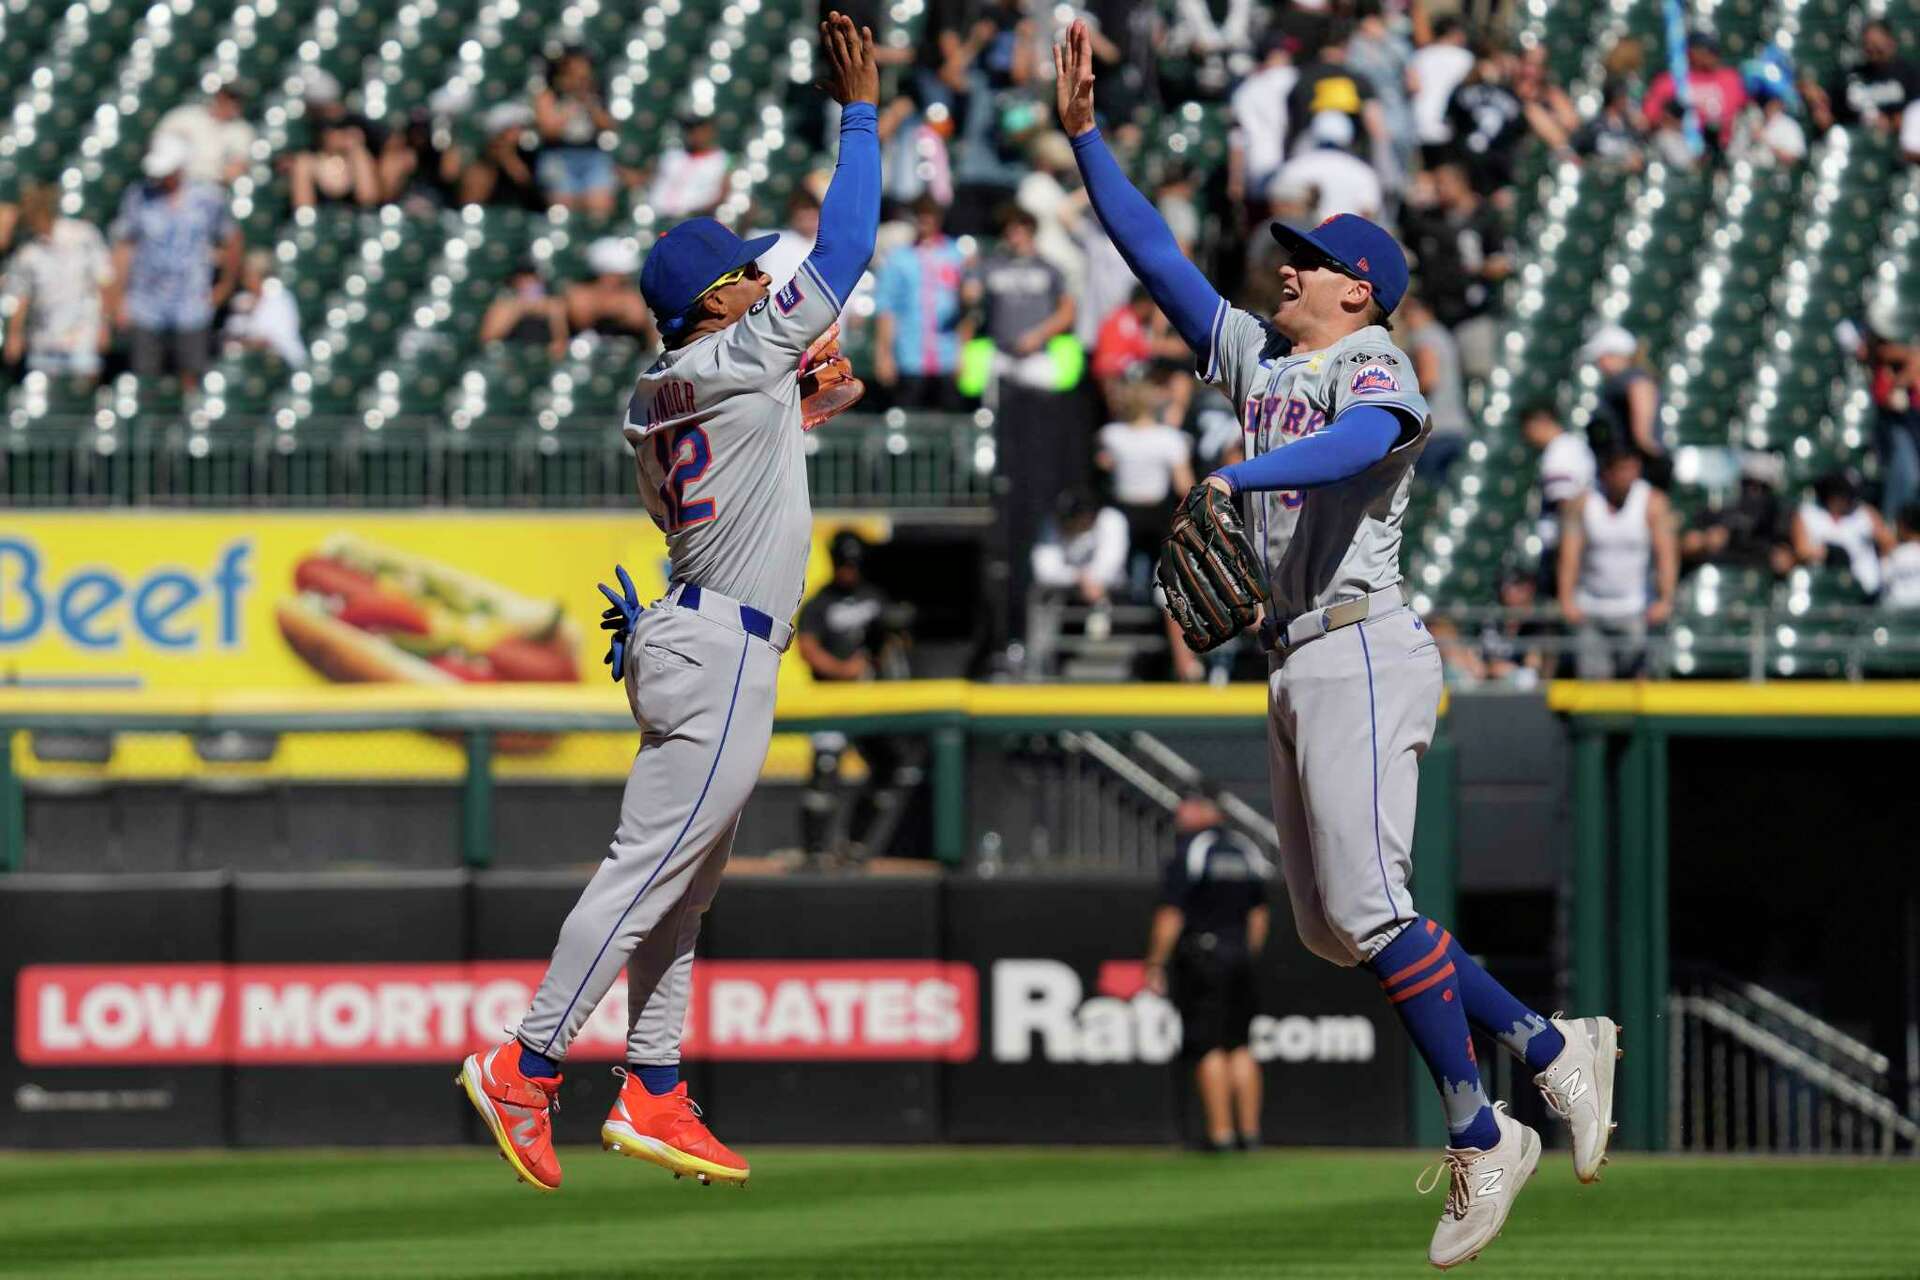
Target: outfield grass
[{"x": 899, "y": 1213}]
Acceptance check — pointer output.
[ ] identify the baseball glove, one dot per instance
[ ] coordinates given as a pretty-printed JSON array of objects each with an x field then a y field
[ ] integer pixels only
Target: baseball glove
[
  {"x": 1209, "y": 571},
  {"x": 828, "y": 386}
]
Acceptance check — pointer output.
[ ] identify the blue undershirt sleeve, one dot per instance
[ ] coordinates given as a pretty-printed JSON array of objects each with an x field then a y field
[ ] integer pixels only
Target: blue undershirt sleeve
[
  {"x": 1345, "y": 447},
  {"x": 1144, "y": 240},
  {"x": 850, "y": 211}
]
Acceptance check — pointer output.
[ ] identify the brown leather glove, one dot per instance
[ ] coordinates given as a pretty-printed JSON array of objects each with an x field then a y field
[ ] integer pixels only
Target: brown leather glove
[{"x": 828, "y": 386}]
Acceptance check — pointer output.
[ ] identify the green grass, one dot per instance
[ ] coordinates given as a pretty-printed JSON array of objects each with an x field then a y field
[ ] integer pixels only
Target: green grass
[{"x": 899, "y": 1213}]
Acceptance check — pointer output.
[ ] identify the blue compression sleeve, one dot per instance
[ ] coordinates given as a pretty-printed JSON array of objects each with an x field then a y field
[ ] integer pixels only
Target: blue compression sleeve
[
  {"x": 1141, "y": 235},
  {"x": 1345, "y": 447},
  {"x": 850, "y": 211}
]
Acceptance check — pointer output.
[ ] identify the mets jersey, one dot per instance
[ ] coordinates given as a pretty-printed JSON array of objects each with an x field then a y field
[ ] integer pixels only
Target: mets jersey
[
  {"x": 1341, "y": 540},
  {"x": 715, "y": 429}
]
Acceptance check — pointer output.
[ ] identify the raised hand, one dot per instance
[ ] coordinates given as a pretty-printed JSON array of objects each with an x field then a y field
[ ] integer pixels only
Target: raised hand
[
  {"x": 853, "y": 73},
  {"x": 1073, "y": 80}
]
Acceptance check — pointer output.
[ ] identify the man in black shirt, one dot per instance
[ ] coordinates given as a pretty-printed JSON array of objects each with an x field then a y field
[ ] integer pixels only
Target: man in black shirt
[
  {"x": 1459, "y": 246},
  {"x": 1488, "y": 122},
  {"x": 1874, "y": 90},
  {"x": 1211, "y": 923},
  {"x": 851, "y": 630}
]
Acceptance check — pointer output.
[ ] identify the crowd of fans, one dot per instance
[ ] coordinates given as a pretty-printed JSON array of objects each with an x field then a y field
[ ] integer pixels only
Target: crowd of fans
[{"x": 994, "y": 284}]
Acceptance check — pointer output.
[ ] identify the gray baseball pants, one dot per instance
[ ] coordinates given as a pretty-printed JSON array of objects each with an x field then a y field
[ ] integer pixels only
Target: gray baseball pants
[
  {"x": 1349, "y": 717},
  {"x": 702, "y": 692}
]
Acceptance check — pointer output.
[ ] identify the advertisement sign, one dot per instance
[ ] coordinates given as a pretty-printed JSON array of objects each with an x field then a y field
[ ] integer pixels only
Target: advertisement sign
[{"x": 1033, "y": 1024}]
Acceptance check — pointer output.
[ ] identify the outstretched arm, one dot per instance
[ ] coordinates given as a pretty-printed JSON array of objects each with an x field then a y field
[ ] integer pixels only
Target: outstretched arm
[
  {"x": 1130, "y": 219},
  {"x": 1345, "y": 447},
  {"x": 850, "y": 210}
]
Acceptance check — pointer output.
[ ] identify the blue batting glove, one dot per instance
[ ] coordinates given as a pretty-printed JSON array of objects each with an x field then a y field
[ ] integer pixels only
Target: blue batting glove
[{"x": 619, "y": 620}]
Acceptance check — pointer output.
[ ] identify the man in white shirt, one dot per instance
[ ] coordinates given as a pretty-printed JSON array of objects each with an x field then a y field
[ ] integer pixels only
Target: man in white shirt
[
  {"x": 219, "y": 140},
  {"x": 1085, "y": 550},
  {"x": 1260, "y": 117},
  {"x": 1567, "y": 470},
  {"x": 57, "y": 280},
  {"x": 1434, "y": 72},
  {"x": 690, "y": 179},
  {"x": 1342, "y": 181}
]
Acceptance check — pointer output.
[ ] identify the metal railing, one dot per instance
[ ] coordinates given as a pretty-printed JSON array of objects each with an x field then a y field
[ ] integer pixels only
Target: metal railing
[
  {"x": 935, "y": 462},
  {"x": 1105, "y": 802},
  {"x": 1756, "y": 643},
  {"x": 1750, "y": 1071}
]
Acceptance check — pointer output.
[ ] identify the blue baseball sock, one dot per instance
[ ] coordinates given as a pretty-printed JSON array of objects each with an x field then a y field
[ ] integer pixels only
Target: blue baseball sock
[
  {"x": 657, "y": 1080},
  {"x": 537, "y": 1066},
  {"x": 1492, "y": 1008},
  {"x": 1419, "y": 978}
]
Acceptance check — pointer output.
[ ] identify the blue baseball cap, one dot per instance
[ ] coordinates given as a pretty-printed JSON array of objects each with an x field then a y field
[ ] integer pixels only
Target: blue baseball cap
[
  {"x": 686, "y": 261},
  {"x": 1356, "y": 247}
]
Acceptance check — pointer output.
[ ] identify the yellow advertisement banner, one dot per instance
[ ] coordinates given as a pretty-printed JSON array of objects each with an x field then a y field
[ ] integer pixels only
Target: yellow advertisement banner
[{"x": 271, "y": 600}]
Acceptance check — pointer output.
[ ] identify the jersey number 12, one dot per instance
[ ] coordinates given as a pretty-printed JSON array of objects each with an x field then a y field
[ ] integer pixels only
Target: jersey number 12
[{"x": 683, "y": 460}]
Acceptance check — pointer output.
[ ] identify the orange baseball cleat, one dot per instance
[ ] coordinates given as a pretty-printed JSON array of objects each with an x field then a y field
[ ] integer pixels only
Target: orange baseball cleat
[
  {"x": 517, "y": 1110},
  {"x": 667, "y": 1130}
]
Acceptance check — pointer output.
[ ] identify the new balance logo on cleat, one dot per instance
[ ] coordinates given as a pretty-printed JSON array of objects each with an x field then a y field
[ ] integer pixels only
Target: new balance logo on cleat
[
  {"x": 1490, "y": 1181},
  {"x": 1574, "y": 1087}
]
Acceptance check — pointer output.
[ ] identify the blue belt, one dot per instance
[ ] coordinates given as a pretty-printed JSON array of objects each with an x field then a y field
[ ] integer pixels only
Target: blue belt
[{"x": 752, "y": 621}]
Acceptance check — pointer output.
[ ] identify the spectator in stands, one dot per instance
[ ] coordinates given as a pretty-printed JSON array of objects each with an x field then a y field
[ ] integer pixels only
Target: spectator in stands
[
  {"x": 1628, "y": 414},
  {"x": 1901, "y": 573},
  {"x": 1874, "y": 89},
  {"x": 421, "y": 166},
  {"x": 1130, "y": 340},
  {"x": 1626, "y": 62},
  {"x": 1207, "y": 932},
  {"x": 797, "y": 237},
  {"x": 570, "y": 112},
  {"x": 1613, "y": 136},
  {"x": 168, "y": 239},
  {"x": 690, "y": 180},
  {"x": 1715, "y": 90},
  {"x": 1668, "y": 143},
  {"x": 1489, "y": 122},
  {"x": 263, "y": 315},
  {"x": 1327, "y": 83},
  {"x": 1178, "y": 199},
  {"x": 1382, "y": 55},
  {"x": 503, "y": 175},
  {"x": 608, "y": 304},
  {"x": 58, "y": 284},
  {"x": 1341, "y": 181},
  {"x": 1751, "y": 531},
  {"x": 1613, "y": 540},
  {"x": 1767, "y": 134},
  {"x": 1258, "y": 146},
  {"x": 526, "y": 313},
  {"x": 219, "y": 139},
  {"x": 1209, "y": 45},
  {"x": 1567, "y": 470},
  {"x": 1434, "y": 72},
  {"x": 1080, "y": 555},
  {"x": 1549, "y": 112},
  {"x": 1511, "y": 650},
  {"x": 1148, "y": 464},
  {"x": 1893, "y": 381},
  {"x": 1051, "y": 192},
  {"x": 336, "y": 165},
  {"x": 918, "y": 316},
  {"x": 1023, "y": 304},
  {"x": 1840, "y": 531},
  {"x": 1436, "y": 363},
  {"x": 1460, "y": 243},
  {"x": 851, "y": 630}
]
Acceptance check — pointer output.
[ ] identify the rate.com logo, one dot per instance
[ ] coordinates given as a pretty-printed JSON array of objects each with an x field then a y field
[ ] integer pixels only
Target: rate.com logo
[{"x": 831, "y": 1010}]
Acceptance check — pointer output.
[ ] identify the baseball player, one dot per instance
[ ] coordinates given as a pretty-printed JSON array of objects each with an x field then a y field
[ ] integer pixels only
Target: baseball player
[
  {"x": 715, "y": 426},
  {"x": 1333, "y": 420}
]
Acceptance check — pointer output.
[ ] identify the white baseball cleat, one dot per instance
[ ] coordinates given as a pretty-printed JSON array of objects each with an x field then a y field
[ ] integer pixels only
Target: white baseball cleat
[
  {"x": 1578, "y": 1087},
  {"x": 1481, "y": 1188}
]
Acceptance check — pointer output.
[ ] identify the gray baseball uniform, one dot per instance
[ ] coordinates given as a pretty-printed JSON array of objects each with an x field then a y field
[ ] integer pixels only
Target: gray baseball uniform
[
  {"x": 716, "y": 433},
  {"x": 1350, "y": 711}
]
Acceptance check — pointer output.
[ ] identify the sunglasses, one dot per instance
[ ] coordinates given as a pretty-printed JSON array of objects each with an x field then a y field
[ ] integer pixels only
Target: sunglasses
[
  {"x": 732, "y": 277},
  {"x": 1313, "y": 260}
]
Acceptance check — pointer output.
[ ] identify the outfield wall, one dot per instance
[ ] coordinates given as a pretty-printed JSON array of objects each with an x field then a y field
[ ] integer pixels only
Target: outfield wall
[{"x": 269, "y": 1010}]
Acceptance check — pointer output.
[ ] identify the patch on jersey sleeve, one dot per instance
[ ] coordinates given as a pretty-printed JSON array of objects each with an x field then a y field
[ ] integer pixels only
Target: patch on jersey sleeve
[
  {"x": 790, "y": 297},
  {"x": 1375, "y": 379}
]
